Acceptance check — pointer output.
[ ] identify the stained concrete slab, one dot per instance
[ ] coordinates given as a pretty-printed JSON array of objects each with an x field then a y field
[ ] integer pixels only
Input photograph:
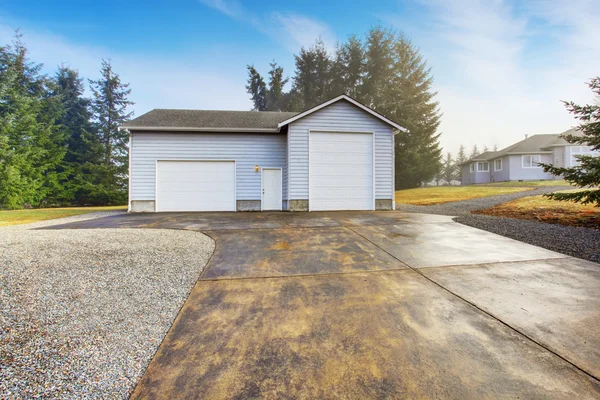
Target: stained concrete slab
[
  {"x": 555, "y": 302},
  {"x": 356, "y": 336},
  {"x": 209, "y": 221},
  {"x": 441, "y": 244},
  {"x": 293, "y": 251}
]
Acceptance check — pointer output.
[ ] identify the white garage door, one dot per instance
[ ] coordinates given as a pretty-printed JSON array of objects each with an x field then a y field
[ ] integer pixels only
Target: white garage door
[
  {"x": 341, "y": 171},
  {"x": 195, "y": 186}
]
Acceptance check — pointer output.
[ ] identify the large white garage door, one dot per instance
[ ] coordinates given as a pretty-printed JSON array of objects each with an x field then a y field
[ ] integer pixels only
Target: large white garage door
[
  {"x": 341, "y": 171},
  {"x": 195, "y": 186}
]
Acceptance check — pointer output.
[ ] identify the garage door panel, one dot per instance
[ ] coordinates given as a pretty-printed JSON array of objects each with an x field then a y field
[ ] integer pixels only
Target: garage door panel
[
  {"x": 195, "y": 186},
  {"x": 341, "y": 171}
]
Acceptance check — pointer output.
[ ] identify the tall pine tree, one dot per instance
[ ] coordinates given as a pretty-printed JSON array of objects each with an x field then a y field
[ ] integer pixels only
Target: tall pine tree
[
  {"x": 84, "y": 151},
  {"x": 32, "y": 146},
  {"x": 109, "y": 110}
]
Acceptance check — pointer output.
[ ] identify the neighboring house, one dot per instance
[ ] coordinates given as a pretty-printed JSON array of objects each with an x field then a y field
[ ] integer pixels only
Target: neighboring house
[
  {"x": 520, "y": 162},
  {"x": 338, "y": 155}
]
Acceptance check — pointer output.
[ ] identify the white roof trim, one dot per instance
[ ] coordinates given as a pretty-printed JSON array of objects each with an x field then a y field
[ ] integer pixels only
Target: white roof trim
[
  {"x": 198, "y": 129},
  {"x": 336, "y": 99}
]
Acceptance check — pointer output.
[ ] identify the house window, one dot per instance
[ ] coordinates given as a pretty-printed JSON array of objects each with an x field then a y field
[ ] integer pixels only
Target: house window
[
  {"x": 577, "y": 151},
  {"x": 483, "y": 167},
  {"x": 472, "y": 167},
  {"x": 531, "y": 161},
  {"x": 498, "y": 165}
]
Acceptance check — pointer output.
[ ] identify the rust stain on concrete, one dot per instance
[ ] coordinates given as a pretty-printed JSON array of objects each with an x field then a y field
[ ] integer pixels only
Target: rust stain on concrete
[{"x": 358, "y": 336}]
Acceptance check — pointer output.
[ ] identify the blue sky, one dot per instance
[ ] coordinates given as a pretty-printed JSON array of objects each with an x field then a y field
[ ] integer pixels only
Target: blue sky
[{"x": 500, "y": 66}]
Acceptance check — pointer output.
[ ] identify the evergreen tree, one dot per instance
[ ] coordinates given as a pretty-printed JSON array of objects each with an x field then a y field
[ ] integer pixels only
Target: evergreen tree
[
  {"x": 449, "y": 170},
  {"x": 379, "y": 69},
  {"x": 257, "y": 89},
  {"x": 83, "y": 150},
  {"x": 460, "y": 158},
  {"x": 474, "y": 152},
  {"x": 347, "y": 70},
  {"x": 109, "y": 110},
  {"x": 275, "y": 96},
  {"x": 587, "y": 173},
  {"x": 31, "y": 144},
  {"x": 312, "y": 78},
  {"x": 485, "y": 148},
  {"x": 495, "y": 147}
]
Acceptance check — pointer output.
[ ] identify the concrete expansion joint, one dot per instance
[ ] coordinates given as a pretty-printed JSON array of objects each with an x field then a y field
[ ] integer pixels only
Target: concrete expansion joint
[
  {"x": 405, "y": 268},
  {"x": 518, "y": 331},
  {"x": 483, "y": 264}
]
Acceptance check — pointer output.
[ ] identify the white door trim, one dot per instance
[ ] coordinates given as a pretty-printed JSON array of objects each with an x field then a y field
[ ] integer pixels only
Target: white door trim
[
  {"x": 372, "y": 133},
  {"x": 262, "y": 193},
  {"x": 156, "y": 207}
]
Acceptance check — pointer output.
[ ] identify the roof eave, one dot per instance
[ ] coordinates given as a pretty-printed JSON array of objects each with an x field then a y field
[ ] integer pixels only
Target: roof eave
[
  {"x": 336, "y": 99},
  {"x": 196, "y": 129},
  {"x": 516, "y": 153}
]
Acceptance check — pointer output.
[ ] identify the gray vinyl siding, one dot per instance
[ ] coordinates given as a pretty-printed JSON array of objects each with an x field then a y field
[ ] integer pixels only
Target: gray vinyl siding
[
  {"x": 502, "y": 175},
  {"x": 470, "y": 178},
  {"x": 247, "y": 149},
  {"x": 517, "y": 172},
  {"x": 340, "y": 116}
]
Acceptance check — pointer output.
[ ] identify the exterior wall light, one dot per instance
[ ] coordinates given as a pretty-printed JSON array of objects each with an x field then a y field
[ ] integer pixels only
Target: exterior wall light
[{"x": 256, "y": 168}]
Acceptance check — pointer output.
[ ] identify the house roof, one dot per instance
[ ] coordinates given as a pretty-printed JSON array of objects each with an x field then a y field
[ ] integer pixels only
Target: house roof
[
  {"x": 209, "y": 120},
  {"x": 533, "y": 144},
  {"x": 232, "y": 121},
  {"x": 350, "y": 100}
]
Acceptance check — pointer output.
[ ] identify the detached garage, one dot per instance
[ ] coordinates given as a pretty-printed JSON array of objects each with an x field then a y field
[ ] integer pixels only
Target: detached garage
[{"x": 336, "y": 156}]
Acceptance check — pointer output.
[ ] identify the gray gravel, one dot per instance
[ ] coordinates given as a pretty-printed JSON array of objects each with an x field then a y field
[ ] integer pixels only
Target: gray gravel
[
  {"x": 83, "y": 311},
  {"x": 466, "y": 206},
  {"x": 577, "y": 242}
]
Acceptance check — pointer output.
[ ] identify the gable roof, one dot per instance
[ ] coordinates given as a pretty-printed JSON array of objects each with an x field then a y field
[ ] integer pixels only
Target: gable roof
[
  {"x": 335, "y": 100},
  {"x": 232, "y": 121},
  {"x": 534, "y": 144},
  {"x": 208, "y": 120}
]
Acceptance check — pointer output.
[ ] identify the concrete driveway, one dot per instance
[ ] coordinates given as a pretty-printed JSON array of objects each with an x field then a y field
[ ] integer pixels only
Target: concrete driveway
[{"x": 374, "y": 305}]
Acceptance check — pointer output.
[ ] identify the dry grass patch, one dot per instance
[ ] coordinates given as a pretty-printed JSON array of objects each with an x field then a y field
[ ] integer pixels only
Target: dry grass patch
[
  {"x": 539, "y": 208},
  {"x": 17, "y": 217},
  {"x": 446, "y": 194}
]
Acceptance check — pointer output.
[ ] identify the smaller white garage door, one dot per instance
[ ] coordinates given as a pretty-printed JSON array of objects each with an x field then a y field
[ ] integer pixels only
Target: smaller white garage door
[
  {"x": 341, "y": 171},
  {"x": 195, "y": 186}
]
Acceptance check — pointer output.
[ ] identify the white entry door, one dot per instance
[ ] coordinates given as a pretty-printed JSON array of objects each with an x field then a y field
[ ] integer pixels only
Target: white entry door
[
  {"x": 341, "y": 171},
  {"x": 195, "y": 186},
  {"x": 272, "y": 189}
]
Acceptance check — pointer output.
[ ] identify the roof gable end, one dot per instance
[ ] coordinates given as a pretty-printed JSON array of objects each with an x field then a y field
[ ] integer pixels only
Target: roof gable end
[{"x": 335, "y": 100}]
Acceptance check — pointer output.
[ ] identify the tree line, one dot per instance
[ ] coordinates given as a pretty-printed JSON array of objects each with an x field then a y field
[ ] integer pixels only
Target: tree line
[
  {"x": 382, "y": 70},
  {"x": 450, "y": 169},
  {"x": 58, "y": 147}
]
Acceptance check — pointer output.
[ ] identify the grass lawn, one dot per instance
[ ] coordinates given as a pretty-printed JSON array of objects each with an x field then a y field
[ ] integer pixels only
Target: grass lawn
[
  {"x": 539, "y": 208},
  {"x": 561, "y": 182},
  {"x": 16, "y": 217},
  {"x": 445, "y": 194}
]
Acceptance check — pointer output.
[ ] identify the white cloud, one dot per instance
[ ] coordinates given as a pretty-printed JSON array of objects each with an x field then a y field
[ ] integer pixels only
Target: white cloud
[
  {"x": 290, "y": 29},
  {"x": 300, "y": 31},
  {"x": 501, "y": 71},
  {"x": 155, "y": 82}
]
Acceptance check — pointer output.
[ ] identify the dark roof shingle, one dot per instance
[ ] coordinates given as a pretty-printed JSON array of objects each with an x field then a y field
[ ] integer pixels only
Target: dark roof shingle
[{"x": 207, "y": 119}]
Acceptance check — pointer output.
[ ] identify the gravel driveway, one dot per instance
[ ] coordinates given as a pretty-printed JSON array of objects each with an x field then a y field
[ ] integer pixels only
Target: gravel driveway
[
  {"x": 574, "y": 241},
  {"x": 83, "y": 311}
]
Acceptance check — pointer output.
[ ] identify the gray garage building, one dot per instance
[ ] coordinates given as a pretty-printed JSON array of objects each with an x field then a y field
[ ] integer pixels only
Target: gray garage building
[{"x": 338, "y": 155}]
